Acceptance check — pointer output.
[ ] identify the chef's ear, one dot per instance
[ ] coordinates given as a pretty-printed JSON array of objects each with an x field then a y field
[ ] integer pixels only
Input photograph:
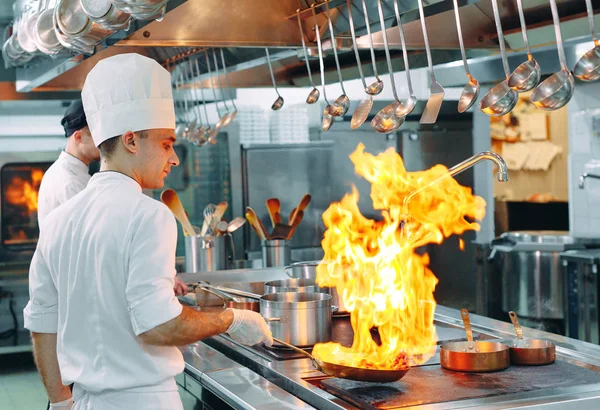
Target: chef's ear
[
  {"x": 77, "y": 136},
  {"x": 130, "y": 141}
]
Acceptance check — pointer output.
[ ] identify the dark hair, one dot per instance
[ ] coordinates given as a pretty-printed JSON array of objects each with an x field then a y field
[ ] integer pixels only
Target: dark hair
[{"x": 108, "y": 147}]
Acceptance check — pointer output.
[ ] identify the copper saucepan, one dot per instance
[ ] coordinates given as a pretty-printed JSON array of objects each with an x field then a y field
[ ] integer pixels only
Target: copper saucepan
[
  {"x": 474, "y": 357},
  {"x": 232, "y": 302},
  {"x": 349, "y": 372},
  {"x": 530, "y": 352}
]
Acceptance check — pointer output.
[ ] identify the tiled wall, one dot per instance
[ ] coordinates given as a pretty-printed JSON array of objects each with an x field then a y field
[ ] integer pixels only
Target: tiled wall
[{"x": 584, "y": 156}]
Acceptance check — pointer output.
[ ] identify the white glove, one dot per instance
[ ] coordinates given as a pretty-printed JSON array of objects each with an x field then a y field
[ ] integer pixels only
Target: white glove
[
  {"x": 249, "y": 328},
  {"x": 63, "y": 405}
]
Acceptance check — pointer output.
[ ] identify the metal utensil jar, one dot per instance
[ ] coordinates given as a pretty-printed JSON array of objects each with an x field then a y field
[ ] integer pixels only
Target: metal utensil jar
[
  {"x": 206, "y": 253},
  {"x": 303, "y": 318}
]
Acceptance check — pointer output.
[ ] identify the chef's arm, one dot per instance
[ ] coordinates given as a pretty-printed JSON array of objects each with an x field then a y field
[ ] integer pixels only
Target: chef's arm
[
  {"x": 189, "y": 327},
  {"x": 46, "y": 360}
]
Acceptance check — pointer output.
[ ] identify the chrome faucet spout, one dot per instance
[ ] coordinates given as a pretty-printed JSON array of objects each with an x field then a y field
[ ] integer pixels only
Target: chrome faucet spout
[
  {"x": 584, "y": 176},
  {"x": 502, "y": 174}
]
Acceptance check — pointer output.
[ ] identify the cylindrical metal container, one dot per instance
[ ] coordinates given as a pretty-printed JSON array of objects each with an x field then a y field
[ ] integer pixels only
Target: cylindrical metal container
[
  {"x": 206, "y": 253},
  {"x": 532, "y": 279},
  {"x": 105, "y": 13},
  {"x": 308, "y": 270},
  {"x": 302, "y": 319},
  {"x": 76, "y": 25},
  {"x": 142, "y": 9},
  {"x": 276, "y": 253},
  {"x": 292, "y": 285}
]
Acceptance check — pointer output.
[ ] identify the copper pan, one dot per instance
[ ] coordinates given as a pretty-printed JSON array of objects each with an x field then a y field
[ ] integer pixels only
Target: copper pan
[
  {"x": 530, "y": 352},
  {"x": 474, "y": 357},
  {"x": 349, "y": 372}
]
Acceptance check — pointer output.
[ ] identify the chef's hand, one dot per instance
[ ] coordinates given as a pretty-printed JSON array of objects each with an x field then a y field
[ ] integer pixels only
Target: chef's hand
[
  {"x": 249, "y": 328},
  {"x": 62, "y": 405},
  {"x": 180, "y": 287}
]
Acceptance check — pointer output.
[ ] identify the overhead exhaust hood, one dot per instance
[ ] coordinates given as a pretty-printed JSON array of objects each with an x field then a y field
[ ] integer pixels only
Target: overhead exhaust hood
[{"x": 243, "y": 28}]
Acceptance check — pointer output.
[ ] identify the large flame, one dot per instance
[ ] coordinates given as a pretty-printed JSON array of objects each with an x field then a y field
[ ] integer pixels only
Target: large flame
[
  {"x": 383, "y": 282},
  {"x": 25, "y": 193}
]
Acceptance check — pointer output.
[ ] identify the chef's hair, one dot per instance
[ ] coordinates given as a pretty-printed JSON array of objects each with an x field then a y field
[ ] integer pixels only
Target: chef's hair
[{"x": 108, "y": 147}]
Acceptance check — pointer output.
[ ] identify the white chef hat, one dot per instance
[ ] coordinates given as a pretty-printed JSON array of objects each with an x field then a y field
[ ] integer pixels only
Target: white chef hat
[{"x": 127, "y": 92}]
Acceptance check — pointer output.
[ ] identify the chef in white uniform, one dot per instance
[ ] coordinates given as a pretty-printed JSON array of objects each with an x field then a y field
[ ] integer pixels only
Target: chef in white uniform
[
  {"x": 102, "y": 310},
  {"x": 69, "y": 173}
]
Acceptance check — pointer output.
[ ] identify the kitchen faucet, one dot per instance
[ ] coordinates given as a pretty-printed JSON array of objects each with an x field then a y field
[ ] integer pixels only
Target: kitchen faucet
[{"x": 584, "y": 176}]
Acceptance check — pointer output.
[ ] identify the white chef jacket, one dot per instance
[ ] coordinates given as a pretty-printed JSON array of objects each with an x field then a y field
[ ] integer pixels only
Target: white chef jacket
[
  {"x": 65, "y": 178},
  {"x": 102, "y": 274}
]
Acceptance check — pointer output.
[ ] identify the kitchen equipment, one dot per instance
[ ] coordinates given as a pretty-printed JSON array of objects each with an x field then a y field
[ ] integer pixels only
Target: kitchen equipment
[
  {"x": 44, "y": 34},
  {"x": 432, "y": 109},
  {"x": 348, "y": 372},
  {"x": 530, "y": 351},
  {"x": 555, "y": 91},
  {"x": 219, "y": 212},
  {"x": 234, "y": 112},
  {"x": 308, "y": 270},
  {"x": 276, "y": 253},
  {"x": 274, "y": 207},
  {"x": 169, "y": 197},
  {"x": 529, "y": 264},
  {"x": 292, "y": 285},
  {"x": 313, "y": 95},
  {"x": 386, "y": 120},
  {"x": 106, "y": 14},
  {"x": 280, "y": 231},
  {"x": 587, "y": 67},
  {"x": 205, "y": 131},
  {"x": 76, "y": 25},
  {"x": 580, "y": 269},
  {"x": 224, "y": 120},
  {"x": 143, "y": 9},
  {"x": 364, "y": 107},
  {"x": 327, "y": 120},
  {"x": 470, "y": 92},
  {"x": 341, "y": 104},
  {"x": 500, "y": 99},
  {"x": 407, "y": 106},
  {"x": 474, "y": 357},
  {"x": 228, "y": 300},
  {"x": 527, "y": 75},
  {"x": 582, "y": 178},
  {"x": 215, "y": 130},
  {"x": 256, "y": 224},
  {"x": 206, "y": 253},
  {"x": 221, "y": 228},
  {"x": 304, "y": 201},
  {"x": 297, "y": 219},
  {"x": 279, "y": 101},
  {"x": 25, "y": 34},
  {"x": 235, "y": 224},
  {"x": 198, "y": 133}
]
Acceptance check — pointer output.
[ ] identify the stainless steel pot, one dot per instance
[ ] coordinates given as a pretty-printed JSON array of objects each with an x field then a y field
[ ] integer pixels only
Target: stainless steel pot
[
  {"x": 532, "y": 279},
  {"x": 76, "y": 25},
  {"x": 301, "y": 319},
  {"x": 293, "y": 285},
  {"x": 142, "y": 9},
  {"x": 308, "y": 270},
  {"x": 106, "y": 14}
]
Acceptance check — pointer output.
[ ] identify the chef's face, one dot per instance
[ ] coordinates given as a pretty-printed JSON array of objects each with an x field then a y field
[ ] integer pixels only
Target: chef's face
[
  {"x": 86, "y": 145},
  {"x": 155, "y": 157}
]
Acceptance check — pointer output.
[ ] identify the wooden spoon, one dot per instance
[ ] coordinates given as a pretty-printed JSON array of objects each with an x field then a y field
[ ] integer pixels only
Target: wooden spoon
[
  {"x": 170, "y": 199},
  {"x": 297, "y": 220},
  {"x": 219, "y": 212},
  {"x": 274, "y": 207},
  {"x": 301, "y": 207},
  {"x": 256, "y": 224}
]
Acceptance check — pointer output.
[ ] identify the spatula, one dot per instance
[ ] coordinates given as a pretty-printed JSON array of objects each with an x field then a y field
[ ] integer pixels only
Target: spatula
[
  {"x": 274, "y": 207},
  {"x": 280, "y": 231},
  {"x": 170, "y": 199},
  {"x": 301, "y": 207},
  {"x": 297, "y": 220},
  {"x": 256, "y": 224}
]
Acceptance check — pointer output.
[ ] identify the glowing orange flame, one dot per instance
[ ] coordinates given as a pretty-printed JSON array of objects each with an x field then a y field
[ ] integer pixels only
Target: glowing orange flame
[
  {"x": 22, "y": 192},
  {"x": 384, "y": 283}
]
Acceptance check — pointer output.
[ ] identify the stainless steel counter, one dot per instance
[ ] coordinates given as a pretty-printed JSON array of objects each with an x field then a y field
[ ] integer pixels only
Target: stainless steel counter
[{"x": 249, "y": 378}]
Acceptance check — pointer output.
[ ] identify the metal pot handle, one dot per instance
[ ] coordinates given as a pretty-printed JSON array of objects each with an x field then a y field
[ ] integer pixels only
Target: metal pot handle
[
  {"x": 285, "y": 269},
  {"x": 334, "y": 308},
  {"x": 272, "y": 319}
]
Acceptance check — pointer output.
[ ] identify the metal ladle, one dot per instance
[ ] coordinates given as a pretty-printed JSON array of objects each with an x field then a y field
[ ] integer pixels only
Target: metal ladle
[
  {"x": 386, "y": 120},
  {"x": 500, "y": 99},
  {"x": 180, "y": 124},
  {"x": 279, "y": 101},
  {"x": 364, "y": 108},
  {"x": 314, "y": 94},
  {"x": 327, "y": 119},
  {"x": 407, "y": 106},
  {"x": 377, "y": 86},
  {"x": 342, "y": 103},
  {"x": 470, "y": 92},
  {"x": 225, "y": 120},
  {"x": 527, "y": 75},
  {"x": 587, "y": 67},
  {"x": 555, "y": 91},
  {"x": 215, "y": 131},
  {"x": 235, "y": 110},
  {"x": 188, "y": 131},
  {"x": 199, "y": 133},
  {"x": 207, "y": 129}
]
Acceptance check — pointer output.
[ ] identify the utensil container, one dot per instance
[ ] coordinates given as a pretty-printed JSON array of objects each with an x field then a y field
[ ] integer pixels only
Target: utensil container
[
  {"x": 276, "y": 253},
  {"x": 206, "y": 253}
]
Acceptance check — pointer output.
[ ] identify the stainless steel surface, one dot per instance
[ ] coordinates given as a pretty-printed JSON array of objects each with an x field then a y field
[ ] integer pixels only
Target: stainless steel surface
[
  {"x": 304, "y": 318},
  {"x": 292, "y": 285},
  {"x": 76, "y": 24},
  {"x": 527, "y": 74},
  {"x": 106, "y": 14},
  {"x": 276, "y": 253},
  {"x": 528, "y": 352},
  {"x": 581, "y": 180},
  {"x": 587, "y": 67},
  {"x": 206, "y": 254},
  {"x": 299, "y": 378}
]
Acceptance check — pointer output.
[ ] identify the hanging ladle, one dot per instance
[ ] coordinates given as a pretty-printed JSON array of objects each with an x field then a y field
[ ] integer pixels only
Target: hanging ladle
[
  {"x": 470, "y": 92},
  {"x": 279, "y": 101},
  {"x": 215, "y": 131},
  {"x": 377, "y": 86},
  {"x": 207, "y": 129},
  {"x": 527, "y": 75},
  {"x": 341, "y": 104},
  {"x": 555, "y": 91},
  {"x": 407, "y": 106},
  {"x": 314, "y": 94},
  {"x": 500, "y": 99},
  {"x": 198, "y": 136},
  {"x": 234, "y": 112},
  {"x": 386, "y": 120},
  {"x": 224, "y": 120},
  {"x": 587, "y": 67},
  {"x": 327, "y": 120},
  {"x": 364, "y": 108}
]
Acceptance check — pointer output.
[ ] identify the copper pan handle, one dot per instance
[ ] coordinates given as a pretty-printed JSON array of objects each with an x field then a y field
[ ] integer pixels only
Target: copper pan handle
[
  {"x": 515, "y": 321},
  {"x": 464, "y": 313}
]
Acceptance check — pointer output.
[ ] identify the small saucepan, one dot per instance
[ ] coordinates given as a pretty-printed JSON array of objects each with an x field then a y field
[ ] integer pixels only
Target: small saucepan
[
  {"x": 293, "y": 285},
  {"x": 530, "y": 352},
  {"x": 474, "y": 357},
  {"x": 230, "y": 301}
]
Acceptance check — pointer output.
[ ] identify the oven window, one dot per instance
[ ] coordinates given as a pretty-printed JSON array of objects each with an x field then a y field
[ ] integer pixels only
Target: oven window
[{"x": 19, "y": 187}]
